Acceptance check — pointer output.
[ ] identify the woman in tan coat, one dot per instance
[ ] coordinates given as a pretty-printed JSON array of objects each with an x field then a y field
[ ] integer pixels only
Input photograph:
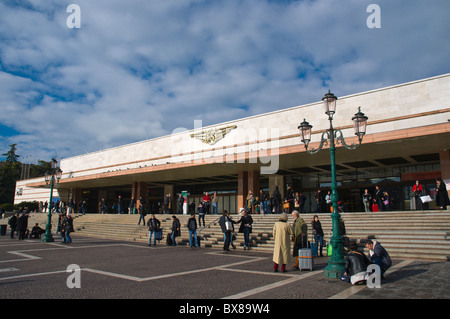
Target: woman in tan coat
[{"x": 282, "y": 233}]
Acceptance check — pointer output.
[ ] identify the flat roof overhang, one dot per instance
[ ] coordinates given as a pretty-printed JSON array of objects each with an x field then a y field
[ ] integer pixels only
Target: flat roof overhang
[{"x": 402, "y": 143}]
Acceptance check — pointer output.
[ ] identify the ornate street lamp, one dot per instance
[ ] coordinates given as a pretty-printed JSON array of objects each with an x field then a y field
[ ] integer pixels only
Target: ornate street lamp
[
  {"x": 51, "y": 177},
  {"x": 336, "y": 264}
]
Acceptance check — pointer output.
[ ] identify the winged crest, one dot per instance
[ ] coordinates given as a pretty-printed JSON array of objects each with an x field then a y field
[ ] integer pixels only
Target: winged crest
[{"x": 212, "y": 136}]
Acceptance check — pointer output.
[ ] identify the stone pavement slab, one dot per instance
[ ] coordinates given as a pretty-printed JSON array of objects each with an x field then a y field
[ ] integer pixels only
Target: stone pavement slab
[{"x": 116, "y": 270}]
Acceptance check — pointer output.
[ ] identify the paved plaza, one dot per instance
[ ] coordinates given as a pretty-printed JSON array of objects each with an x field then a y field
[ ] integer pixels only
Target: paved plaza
[{"x": 122, "y": 270}]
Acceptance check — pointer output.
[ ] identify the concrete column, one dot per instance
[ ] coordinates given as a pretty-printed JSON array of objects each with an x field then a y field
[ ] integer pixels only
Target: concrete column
[
  {"x": 139, "y": 189},
  {"x": 242, "y": 188},
  {"x": 77, "y": 196},
  {"x": 253, "y": 182}
]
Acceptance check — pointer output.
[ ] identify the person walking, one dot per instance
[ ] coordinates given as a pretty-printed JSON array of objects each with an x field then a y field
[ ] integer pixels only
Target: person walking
[
  {"x": 226, "y": 224},
  {"x": 22, "y": 225},
  {"x": 180, "y": 203},
  {"x": 119, "y": 205},
  {"x": 142, "y": 212},
  {"x": 290, "y": 199},
  {"x": 277, "y": 200},
  {"x": 206, "y": 203},
  {"x": 442, "y": 199},
  {"x": 300, "y": 236},
  {"x": 68, "y": 228},
  {"x": 215, "y": 201},
  {"x": 153, "y": 226},
  {"x": 378, "y": 197},
  {"x": 301, "y": 203},
  {"x": 201, "y": 214},
  {"x": 318, "y": 233},
  {"x": 282, "y": 233},
  {"x": 246, "y": 222},
  {"x": 319, "y": 201},
  {"x": 103, "y": 207},
  {"x": 176, "y": 229},
  {"x": 132, "y": 206},
  {"x": 418, "y": 191},
  {"x": 60, "y": 228},
  {"x": 328, "y": 201},
  {"x": 192, "y": 227},
  {"x": 367, "y": 199},
  {"x": 12, "y": 222}
]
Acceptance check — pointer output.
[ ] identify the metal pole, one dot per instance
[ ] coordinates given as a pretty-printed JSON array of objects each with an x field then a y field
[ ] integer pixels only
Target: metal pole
[
  {"x": 336, "y": 264},
  {"x": 48, "y": 238}
]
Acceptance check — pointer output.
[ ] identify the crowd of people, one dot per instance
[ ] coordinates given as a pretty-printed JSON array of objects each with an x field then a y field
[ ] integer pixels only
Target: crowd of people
[
  {"x": 256, "y": 203},
  {"x": 380, "y": 200},
  {"x": 18, "y": 224},
  {"x": 356, "y": 262},
  {"x": 285, "y": 234}
]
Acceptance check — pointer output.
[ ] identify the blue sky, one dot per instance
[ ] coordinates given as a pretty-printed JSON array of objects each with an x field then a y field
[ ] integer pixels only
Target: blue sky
[{"x": 140, "y": 69}]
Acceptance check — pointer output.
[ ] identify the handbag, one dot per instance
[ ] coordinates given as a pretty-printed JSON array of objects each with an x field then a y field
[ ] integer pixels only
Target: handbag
[
  {"x": 285, "y": 205},
  {"x": 228, "y": 225},
  {"x": 158, "y": 234},
  {"x": 329, "y": 250},
  {"x": 425, "y": 199}
]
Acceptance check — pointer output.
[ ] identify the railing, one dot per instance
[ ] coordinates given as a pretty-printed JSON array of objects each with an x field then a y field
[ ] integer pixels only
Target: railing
[{"x": 209, "y": 225}]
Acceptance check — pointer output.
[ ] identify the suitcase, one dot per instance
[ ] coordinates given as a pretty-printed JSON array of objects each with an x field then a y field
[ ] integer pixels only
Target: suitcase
[
  {"x": 315, "y": 249},
  {"x": 305, "y": 259}
]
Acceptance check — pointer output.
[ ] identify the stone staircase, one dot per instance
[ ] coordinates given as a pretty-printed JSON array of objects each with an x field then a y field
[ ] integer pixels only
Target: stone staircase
[{"x": 405, "y": 234}]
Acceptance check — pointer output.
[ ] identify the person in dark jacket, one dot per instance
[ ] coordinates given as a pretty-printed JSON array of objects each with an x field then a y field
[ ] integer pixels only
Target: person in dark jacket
[
  {"x": 201, "y": 214},
  {"x": 142, "y": 212},
  {"x": 192, "y": 227},
  {"x": 277, "y": 200},
  {"x": 12, "y": 222},
  {"x": 378, "y": 255},
  {"x": 290, "y": 199},
  {"x": 226, "y": 224},
  {"x": 442, "y": 199},
  {"x": 378, "y": 197},
  {"x": 22, "y": 225},
  {"x": 176, "y": 229},
  {"x": 153, "y": 226},
  {"x": 356, "y": 267},
  {"x": 68, "y": 228},
  {"x": 318, "y": 233},
  {"x": 301, "y": 203},
  {"x": 36, "y": 232},
  {"x": 246, "y": 222}
]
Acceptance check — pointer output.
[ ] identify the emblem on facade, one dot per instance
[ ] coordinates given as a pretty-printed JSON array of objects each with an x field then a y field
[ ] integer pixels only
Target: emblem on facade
[{"x": 212, "y": 136}]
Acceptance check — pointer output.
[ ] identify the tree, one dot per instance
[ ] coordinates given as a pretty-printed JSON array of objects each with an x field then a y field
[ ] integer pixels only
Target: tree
[
  {"x": 9, "y": 174},
  {"x": 11, "y": 156}
]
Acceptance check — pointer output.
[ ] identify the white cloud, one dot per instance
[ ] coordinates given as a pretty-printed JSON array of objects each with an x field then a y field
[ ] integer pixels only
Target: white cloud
[{"x": 140, "y": 69}]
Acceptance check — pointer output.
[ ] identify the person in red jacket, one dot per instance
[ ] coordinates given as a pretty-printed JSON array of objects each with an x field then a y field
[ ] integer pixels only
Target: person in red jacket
[{"x": 418, "y": 191}]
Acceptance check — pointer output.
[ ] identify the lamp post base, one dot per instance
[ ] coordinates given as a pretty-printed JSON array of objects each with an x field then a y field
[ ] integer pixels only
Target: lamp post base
[
  {"x": 47, "y": 238},
  {"x": 334, "y": 270}
]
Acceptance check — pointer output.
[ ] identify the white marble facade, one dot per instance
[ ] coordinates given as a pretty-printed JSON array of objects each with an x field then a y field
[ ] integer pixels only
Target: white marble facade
[{"x": 404, "y": 106}]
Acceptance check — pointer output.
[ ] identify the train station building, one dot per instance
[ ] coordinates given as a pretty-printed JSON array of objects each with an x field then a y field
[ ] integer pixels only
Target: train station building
[{"x": 407, "y": 139}]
